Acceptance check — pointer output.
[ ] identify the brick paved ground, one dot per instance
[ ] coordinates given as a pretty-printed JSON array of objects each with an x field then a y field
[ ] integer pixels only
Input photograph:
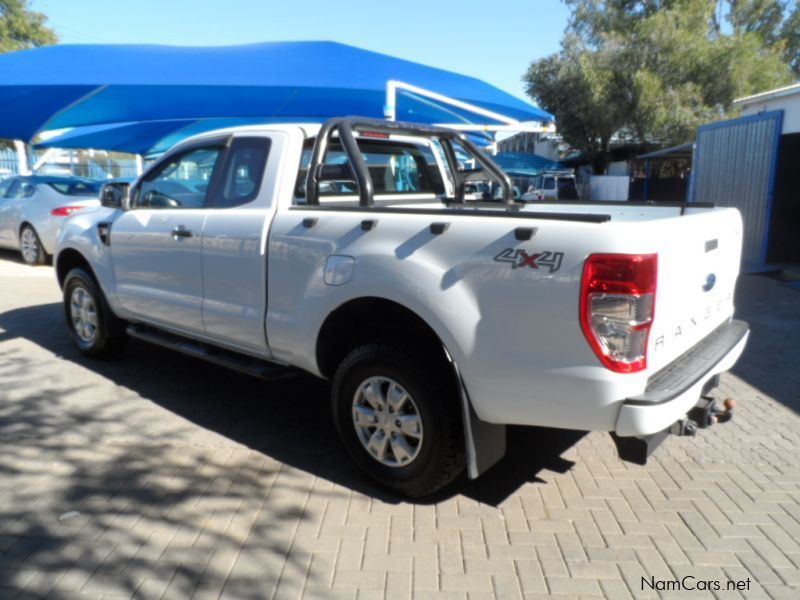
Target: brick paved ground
[{"x": 159, "y": 476}]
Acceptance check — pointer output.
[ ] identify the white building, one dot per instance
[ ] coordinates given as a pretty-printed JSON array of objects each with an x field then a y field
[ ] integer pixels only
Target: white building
[{"x": 786, "y": 99}]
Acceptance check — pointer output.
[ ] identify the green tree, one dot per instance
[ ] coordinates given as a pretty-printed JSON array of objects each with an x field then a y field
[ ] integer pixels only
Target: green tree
[
  {"x": 763, "y": 17},
  {"x": 653, "y": 70},
  {"x": 21, "y": 27},
  {"x": 790, "y": 34},
  {"x": 572, "y": 85}
]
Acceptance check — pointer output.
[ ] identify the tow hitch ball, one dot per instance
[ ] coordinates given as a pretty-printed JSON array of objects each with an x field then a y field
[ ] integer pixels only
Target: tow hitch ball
[{"x": 704, "y": 414}]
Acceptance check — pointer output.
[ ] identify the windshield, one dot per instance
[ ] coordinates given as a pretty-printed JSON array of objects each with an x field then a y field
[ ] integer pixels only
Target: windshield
[{"x": 76, "y": 188}]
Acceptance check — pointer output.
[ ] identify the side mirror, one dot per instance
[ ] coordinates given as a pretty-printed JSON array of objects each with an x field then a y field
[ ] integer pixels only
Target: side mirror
[{"x": 115, "y": 195}]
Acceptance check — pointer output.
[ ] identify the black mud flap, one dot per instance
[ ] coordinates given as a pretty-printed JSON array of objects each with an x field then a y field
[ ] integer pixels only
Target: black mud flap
[
  {"x": 636, "y": 450},
  {"x": 485, "y": 443}
]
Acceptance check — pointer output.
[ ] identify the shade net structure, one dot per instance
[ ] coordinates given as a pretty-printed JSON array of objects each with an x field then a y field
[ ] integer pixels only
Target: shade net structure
[{"x": 78, "y": 86}]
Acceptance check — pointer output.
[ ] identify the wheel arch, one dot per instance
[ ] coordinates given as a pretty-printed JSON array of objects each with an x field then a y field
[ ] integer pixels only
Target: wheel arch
[
  {"x": 370, "y": 318},
  {"x": 69, "y": 259},
  {"x": 22, "y": 225}
]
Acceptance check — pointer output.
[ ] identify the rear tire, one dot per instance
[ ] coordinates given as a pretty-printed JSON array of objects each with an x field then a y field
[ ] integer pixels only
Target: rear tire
[
  {"x": 398, "y": 419},
  {"x": 31, "y": 248},
  {"x": 97, "y": 332}
]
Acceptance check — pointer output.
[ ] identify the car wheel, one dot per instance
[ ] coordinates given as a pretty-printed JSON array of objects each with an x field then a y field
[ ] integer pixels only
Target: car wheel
[
  {"x": 95, "y": 329},
  {"x": 30, "y": 246},
  {"x": 398, "y": 420}
]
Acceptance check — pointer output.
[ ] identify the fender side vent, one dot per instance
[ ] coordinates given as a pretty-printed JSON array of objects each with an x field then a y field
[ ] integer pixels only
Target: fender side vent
[{"x": 104, "y": 232}]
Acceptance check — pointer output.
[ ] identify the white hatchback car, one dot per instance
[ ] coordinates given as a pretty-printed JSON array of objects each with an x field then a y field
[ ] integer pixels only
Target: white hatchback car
[{"x": 32, "y": 209}]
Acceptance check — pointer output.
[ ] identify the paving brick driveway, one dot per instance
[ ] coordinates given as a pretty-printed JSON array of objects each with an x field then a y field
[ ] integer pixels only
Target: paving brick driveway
[{"x": 160, "y": 476}]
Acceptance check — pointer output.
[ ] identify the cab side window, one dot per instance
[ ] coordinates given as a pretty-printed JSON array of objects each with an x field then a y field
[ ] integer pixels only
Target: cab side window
[
  {"x": 5, "y": 187},
  {"x": 549, "y": 183},
  {"x": 25, "y": 189},
  {"x": 182, "y": 182},
  {"x": 243, "y": 172}
]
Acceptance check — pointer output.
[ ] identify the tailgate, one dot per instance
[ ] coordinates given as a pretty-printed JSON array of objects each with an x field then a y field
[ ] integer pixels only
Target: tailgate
[{"x": 698, "y": 263}]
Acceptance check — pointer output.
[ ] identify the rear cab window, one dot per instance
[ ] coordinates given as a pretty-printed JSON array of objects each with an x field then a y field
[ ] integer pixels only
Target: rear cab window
[{"x": 403, "y": 171}]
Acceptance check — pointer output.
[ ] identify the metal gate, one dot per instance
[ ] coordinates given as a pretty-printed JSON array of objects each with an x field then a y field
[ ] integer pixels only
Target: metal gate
[
  {"x": 8, "y": 163},
  {"x": 734, "y": 165}
]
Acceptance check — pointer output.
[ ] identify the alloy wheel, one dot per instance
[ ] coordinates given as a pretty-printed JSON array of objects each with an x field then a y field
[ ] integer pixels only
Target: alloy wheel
[
  {"x": 84, "y": 315},
  {"x": 387, "y": 421}
]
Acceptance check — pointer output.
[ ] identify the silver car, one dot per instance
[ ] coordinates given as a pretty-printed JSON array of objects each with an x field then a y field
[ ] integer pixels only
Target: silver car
[{"x": 32, "y": 209}]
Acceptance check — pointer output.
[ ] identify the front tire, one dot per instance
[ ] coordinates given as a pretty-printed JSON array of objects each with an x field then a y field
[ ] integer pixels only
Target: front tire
[
  {"x": 399, "y": 420},
  {"x": 95, "y": 329},
  {"x": 30, "y": 246}
]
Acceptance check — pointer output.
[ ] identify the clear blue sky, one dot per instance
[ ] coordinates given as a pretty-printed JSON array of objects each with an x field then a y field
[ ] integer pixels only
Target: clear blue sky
[{"x": 494, "y": 40}]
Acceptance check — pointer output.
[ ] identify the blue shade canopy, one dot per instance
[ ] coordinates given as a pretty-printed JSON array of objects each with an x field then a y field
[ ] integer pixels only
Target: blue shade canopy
[
  {"x": 144, "y": 137},
  {"x": 81, "y": 85},
  {"x": 137, "y": 138},
  {"x": 523, "y": 164}
]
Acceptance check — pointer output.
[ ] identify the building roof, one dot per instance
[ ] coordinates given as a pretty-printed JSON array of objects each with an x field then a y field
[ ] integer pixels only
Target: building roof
[
  {"x": 682, "y": 151},
  {"x": 789, "y": 90}
]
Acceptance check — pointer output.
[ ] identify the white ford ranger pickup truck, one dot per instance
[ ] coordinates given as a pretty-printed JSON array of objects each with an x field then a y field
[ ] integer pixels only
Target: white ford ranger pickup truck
[{"x": 347, "y": 250}]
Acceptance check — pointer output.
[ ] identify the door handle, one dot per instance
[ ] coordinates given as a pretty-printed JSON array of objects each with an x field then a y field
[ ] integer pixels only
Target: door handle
[{"x": 181, "y": 232}]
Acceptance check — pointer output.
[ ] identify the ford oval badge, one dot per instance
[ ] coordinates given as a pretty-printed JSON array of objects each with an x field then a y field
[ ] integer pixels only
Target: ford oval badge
[{"x": 711, "y": 280}]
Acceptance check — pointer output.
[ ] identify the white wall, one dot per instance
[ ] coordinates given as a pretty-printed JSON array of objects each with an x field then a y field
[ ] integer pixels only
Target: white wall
[
  {"x": 790, "y": 106},
  {"x": 609, "y": 187},
  {"x": 620, "y": 167}
]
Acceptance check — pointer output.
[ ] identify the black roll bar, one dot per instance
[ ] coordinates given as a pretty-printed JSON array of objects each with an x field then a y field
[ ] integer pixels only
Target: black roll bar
[{"x": 347, "y": 126}]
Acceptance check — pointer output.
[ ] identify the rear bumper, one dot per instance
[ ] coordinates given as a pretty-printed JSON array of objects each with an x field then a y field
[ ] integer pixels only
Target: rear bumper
[{"x": 675, "y": 390}]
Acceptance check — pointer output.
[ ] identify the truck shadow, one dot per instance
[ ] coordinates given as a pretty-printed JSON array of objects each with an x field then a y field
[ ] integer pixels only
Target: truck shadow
[
  {"x": 287, "y": 420},
  {"x": 770, "y": 361}
]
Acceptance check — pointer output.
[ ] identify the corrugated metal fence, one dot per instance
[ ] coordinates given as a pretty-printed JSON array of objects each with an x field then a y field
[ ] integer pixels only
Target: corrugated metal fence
[{"x": 734, "y": 165}]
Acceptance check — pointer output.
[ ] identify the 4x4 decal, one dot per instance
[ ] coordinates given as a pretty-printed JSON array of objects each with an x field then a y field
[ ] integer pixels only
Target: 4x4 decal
[{"x": 521, "y": 258}]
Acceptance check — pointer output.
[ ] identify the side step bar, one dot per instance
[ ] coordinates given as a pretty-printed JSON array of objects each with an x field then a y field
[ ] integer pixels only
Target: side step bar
[{"x": 226, "y": 358}]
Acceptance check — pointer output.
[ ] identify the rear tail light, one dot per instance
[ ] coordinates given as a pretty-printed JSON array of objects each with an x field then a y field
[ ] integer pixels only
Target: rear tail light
[
  {"x": 617, "y": 306},
  {"x": 64, "y": 211}
]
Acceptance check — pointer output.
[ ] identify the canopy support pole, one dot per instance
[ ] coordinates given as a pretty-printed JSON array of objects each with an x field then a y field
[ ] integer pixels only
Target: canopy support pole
[
  {"x": 44, "y": 158},
  {"x": 139, "y": 165},
  {"x": 22, "y": 158}
]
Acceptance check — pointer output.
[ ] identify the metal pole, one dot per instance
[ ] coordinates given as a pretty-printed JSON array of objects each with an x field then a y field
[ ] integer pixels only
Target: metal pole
[
  {"x": 22, "y": 158},
  {"x": 646, "y": 178},
  {"x": 390, "y": 108}
]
